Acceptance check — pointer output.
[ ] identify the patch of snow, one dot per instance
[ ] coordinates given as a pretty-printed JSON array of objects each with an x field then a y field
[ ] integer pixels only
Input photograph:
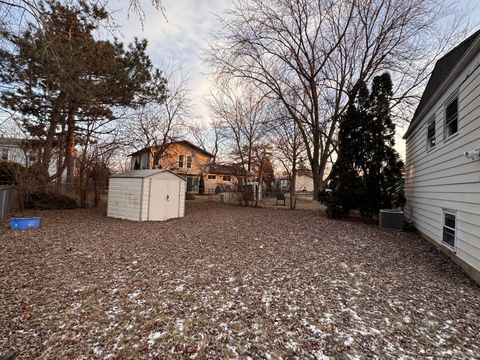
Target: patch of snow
[
  {"x": 349, "y": 341},
  {"x": 233, "y": 350},
  {"x": 180, "y": 326},
  {"x": 154, "y": 337},
  {"x": 134, "y": 295},
  {"x": 319, "y": 355}
]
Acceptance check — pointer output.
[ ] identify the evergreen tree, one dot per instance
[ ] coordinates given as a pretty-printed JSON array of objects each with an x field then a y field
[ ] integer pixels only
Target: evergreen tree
[
  {"x": 61, "y": 75},
  {"x": 368, "y": 167}
]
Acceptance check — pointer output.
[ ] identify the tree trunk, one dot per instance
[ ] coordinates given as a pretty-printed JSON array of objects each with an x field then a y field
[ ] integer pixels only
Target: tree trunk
[
  {"x": 70, "y": 146},
  {"x": 82, "y": 188},
  {"x": 48, "y": 145},
  {"x": 293, "y": 179},
  {"x": 60, "y": 154}
]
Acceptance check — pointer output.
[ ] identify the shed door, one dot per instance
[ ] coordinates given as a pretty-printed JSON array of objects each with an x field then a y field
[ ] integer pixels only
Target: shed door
[{"x": 164, "y": 197}]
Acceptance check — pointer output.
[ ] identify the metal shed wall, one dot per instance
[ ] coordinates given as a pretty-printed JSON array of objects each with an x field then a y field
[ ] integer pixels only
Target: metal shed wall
[
  {"x": 124, "y": 196},
  {"x": 129, "y": 195}
]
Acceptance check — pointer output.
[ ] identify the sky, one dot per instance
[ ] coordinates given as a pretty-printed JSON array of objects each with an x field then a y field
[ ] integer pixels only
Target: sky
[{"x": 181, "y": 35}]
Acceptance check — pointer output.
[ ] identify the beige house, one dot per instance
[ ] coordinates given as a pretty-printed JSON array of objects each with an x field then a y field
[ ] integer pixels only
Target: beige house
[
  {"x": 182, "y": 157},
  {"x": 224, "y": 177}
]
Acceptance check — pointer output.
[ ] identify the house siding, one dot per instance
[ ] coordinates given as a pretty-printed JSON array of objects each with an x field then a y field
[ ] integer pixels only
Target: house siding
[{"x": 442, "y": 177}]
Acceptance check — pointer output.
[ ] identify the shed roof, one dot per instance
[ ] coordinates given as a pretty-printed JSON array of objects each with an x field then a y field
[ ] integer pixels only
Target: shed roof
[
  {"x": 444, "y": 67},
  {"x": 144, "y": 173}
]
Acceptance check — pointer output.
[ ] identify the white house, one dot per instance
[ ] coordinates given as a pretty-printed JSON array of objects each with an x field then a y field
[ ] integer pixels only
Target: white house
[
  {"x": 141, "y": 195},
  {"x": 303, "y": 181},
  {"x": 17, "y": 151},
  {"x": 442, "y": 179},
  {"x": 25, "y": 152}
]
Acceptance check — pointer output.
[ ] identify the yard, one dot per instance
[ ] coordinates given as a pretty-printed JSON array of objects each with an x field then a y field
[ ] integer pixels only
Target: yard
[{"x": 227, "y": 282}]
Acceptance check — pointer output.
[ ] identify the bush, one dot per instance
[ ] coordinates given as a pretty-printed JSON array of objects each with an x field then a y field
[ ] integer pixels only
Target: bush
[{"x": 334, "y": 209}]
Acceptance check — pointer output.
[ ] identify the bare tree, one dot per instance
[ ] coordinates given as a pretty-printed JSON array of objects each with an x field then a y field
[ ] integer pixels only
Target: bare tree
[
  {"x": 288, "y": 149},
  {"x": 308, "y": 54},
  {"x": 158, "y": 124},
  {"x": 241, "y": 117},
  {"x": 207, "y": 136}
]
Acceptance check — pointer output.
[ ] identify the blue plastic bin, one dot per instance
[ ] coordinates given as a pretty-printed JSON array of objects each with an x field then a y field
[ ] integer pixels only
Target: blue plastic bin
[{"x": 24, "y": 223}]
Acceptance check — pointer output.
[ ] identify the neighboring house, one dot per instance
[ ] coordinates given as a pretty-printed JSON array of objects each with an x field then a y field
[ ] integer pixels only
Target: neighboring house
[
  {"x": 224, "y": 177},
  {"x": 303, "y": 181},
  {"x": 182, "y": 157},
  {"x": 20, "y": 151},
  {"x": 443, "y": 184}
]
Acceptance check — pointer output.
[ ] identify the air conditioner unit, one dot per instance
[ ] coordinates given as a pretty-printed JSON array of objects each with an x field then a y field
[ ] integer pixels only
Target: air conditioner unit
[{"x": 391, "y": 219}]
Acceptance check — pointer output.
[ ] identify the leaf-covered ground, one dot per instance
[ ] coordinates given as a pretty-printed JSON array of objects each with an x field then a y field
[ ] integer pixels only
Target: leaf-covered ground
[{"x": 229, "y": 282}]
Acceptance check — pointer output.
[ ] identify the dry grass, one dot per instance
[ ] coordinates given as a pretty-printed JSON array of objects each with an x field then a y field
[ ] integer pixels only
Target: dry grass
[{"x": 227, "y": 282}]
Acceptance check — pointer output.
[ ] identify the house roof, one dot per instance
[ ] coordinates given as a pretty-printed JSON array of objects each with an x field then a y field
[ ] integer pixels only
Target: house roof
[
  {"x": 11, "y": 141},
  {"x": 300, "y": 172},
  {"x": 22, "y": 142},
  {"x": 444, "y": 68},
  {"x": 186, "y": 142},
  {"x": 227, "y": 170},
  {"x": 143, "y": 173}
]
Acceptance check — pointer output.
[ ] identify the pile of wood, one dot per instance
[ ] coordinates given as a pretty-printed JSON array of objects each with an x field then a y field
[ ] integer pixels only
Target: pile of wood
[{"x": 50, "y": 201}]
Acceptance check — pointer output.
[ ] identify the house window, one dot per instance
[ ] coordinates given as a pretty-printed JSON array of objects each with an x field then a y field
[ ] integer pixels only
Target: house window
[
  {"x": 451, "y": 118},
  {"x": 189, "y": 162},
  {"x": 212, "y": 177},
  {"x": 449, "y": 228},
  {"x": 5, "y": 154},
  {"x": 431, "y": 133},
  {"x": 181, "y": 159},
  {"x": 227, "y": 178}
]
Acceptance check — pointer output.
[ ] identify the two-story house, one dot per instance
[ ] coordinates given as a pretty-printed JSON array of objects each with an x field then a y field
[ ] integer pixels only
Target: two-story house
[
  {"x": 442, "y": 184},
  {"x": 184, "y": 158},
  {"x": 21, "y": 151}
]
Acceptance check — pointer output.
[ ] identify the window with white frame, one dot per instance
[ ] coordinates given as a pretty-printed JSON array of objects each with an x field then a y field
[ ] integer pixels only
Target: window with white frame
[
  {"x": 5, "y": 154},
  {"x": 212, "y": 177},
  {"x": 449, "y": 230},
  {"x": 451, "y": 117},
  {"x": 181, "y": 160},
  {"x": 227, "y": 178},
  {"x": 431, "y": 133},
  {"x": 189, "y": 162}
]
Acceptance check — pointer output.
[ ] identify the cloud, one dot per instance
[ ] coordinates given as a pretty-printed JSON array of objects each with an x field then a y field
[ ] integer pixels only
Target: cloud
[{"x": 179, "y": 37}]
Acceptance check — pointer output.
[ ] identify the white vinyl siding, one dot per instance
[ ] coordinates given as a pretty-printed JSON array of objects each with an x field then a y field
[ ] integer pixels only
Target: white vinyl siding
[{"x": 442, "y": 178}]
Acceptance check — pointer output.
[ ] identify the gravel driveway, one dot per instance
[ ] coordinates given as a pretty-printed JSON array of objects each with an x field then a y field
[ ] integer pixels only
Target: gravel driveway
[{"x": 230, "y": 282}]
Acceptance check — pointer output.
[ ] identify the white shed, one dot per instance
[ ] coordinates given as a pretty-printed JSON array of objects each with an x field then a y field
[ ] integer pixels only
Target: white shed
[{"x": 142, "y": 195}]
